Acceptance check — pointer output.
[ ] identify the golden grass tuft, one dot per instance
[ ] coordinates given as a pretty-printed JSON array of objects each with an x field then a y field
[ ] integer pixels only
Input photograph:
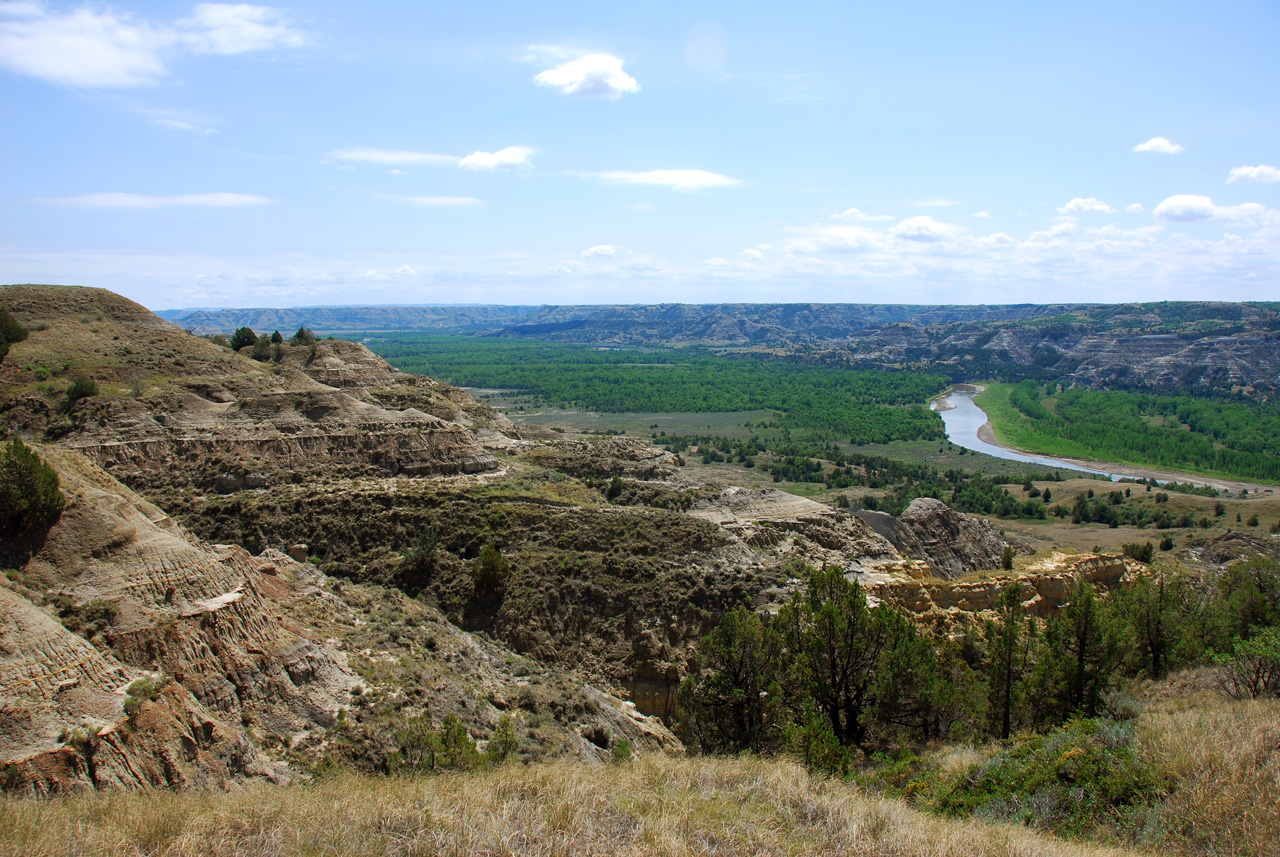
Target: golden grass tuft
[
  {"x": 1223, "y": 757},
  {"x": 652, "y": 807}
]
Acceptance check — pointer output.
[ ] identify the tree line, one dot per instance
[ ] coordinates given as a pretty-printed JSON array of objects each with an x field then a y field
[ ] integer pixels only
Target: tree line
[
  {"x": 831, "y": 675},
  {"x": 868, "y": 406}
]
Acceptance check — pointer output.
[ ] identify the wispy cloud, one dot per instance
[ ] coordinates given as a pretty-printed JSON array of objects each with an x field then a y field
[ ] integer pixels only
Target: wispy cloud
[
  {"x": 462, "y": 201},
  {"x": 503, "y": 159},
  {"x": 600, "y": 250},
  {"x": 684, "y": 181},
  {"x": 591, "y": 76},
  {"x": 1160, "y": 145},
  {"x": 854, "y": 215},
  {"x": 101, "y": 48},
  {"x": 1260, "y": 173},
  {"x": 393, "y": 157},
  {"x": 138, "y": 200}
]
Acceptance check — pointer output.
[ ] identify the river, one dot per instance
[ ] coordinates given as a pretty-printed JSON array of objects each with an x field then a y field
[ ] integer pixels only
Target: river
[{"x": 963, "y": 418}]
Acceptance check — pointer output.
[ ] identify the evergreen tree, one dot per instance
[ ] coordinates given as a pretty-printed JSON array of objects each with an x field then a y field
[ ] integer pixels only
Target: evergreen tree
[
  {"x": 1009, "y": 639},
  {"x": 1081, "y": 652},
  {"x": 243, "y": 338},
  {"x": 29, "y": 492},
  {"x": 837, "y": 642},
  {"x": 732, "y": 702}
]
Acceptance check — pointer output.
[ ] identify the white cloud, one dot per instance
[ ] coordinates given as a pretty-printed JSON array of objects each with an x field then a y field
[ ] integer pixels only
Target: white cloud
[
  {"x": 137, "y": 200},
  {"x": 1185, "y": 208},
  {"x": 853, "y": 215},
  {"x": 937, "y": 202},
  {"x": 393, "y": 157},
  {"x": 237, "y": 28},
  {"x": 926, "y": 229},
  {"x": 1161, "y": 145},
  {"x": 600, "y": 250},
  {"x": 1260, "y": 173},
  {"x": 406, "y": 270},
  {"x": 1086, "y": 205},
  {"x": 716, "y": 262},
  {"x": 1134, "y": 208},
  {"x": 504, "y": 159},
  {"x": 684, "y": 181},
  {"x": 593, "y": 76},
  {"x": 754, "y": 254},
  {"x": 982, "y": 214},
  {"x": 434, "y": 200},
  {"x": 94, "y": 48},
  {"x": 83, "y": 47}
]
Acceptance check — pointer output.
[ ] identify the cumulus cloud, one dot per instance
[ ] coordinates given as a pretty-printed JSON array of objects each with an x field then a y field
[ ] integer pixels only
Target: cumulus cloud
[
  {"x": 138, "y": 200},
  {"x": 600, "y": 250},
  {"x": 503, "y": 159},
  {"x": 394, "y": 157},
  {"x": 1086, "y": 205},
  {"x": 1260, "y": 173},
  {"x": 592, "y": 76},
  {"x": 1160, "y": 145},
  {"x": 1185, "y": 208},
  {"x": 1134, "y": 208},
  {"x": 853, "y": 215},
  {"x": 684, "y": 181},
  {"x": 926, "y": 229},
  {"x": 102, "y": 48}
]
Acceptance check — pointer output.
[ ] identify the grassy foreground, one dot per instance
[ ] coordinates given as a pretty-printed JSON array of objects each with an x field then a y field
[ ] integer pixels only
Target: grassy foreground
[{"x": 653, "y": 807}]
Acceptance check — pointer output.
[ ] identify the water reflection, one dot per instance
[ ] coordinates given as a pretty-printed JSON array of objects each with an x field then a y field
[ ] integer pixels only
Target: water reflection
[{"x": 964, "y": 418}]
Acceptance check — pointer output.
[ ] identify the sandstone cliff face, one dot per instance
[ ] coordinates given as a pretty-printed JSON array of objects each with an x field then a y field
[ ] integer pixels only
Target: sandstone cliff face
[
  {"x": 952, "y": 543},
  {"x": 946, "y": 603}
]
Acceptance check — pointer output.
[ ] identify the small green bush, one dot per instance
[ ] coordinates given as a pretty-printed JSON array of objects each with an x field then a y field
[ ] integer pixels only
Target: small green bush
[
  {"x": 243, "y": 338},
  {"x": 82, "y": 387}
]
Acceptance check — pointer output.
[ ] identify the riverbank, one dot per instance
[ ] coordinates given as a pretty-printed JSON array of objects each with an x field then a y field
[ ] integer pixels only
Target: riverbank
[{"x": 987, "y": 434}]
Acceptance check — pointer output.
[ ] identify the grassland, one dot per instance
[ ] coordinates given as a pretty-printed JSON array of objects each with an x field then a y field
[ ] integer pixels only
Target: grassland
[{"x": 1216, "y": 763}]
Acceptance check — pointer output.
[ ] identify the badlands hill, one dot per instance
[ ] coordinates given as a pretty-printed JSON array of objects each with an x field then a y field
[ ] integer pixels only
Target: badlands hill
[
  {"x": 266, "y": 567},
  {"x": 1170, "y": 346}
]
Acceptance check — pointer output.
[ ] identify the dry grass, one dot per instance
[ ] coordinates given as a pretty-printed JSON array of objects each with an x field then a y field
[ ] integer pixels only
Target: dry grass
[
  {"x": 1224, "y": 757},
  {"x": 654, "y": 807}
]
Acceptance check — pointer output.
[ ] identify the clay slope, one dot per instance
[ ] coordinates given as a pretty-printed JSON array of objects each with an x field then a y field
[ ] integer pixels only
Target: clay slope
[
  {"x": 260, "y": 660},
  {"x": 63, "y": 725},
  {"x": 176, "y": 410}
]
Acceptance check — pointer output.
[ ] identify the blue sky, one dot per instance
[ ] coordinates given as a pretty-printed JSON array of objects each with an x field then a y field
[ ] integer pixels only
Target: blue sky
[{"x": 240, "y": 155}]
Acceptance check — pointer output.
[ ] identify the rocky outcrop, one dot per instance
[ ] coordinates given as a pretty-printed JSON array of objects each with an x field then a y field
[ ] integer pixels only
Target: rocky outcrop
[
  {"x": 952, "y": 543},
  {"x": 946, "y": 603}
]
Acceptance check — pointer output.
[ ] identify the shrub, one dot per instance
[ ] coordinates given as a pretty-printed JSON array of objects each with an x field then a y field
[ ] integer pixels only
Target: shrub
[
  {"x": 11, "y": 331},
  {"x": 1252, "y": 670},
  {"x": 502, "y": 745},
  {"x": 81, "y": 388},
  {"x": 490, "y": 570},
  {"x": 29, "y": 492},
  {"x": 304, "y": 336},
  {"x": 1006, "y": 558},
  {"x": 1141, "y": 552}
]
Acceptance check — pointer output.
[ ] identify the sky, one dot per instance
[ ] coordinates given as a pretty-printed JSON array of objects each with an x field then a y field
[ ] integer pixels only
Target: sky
[{"x": 233, "y": 155}]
